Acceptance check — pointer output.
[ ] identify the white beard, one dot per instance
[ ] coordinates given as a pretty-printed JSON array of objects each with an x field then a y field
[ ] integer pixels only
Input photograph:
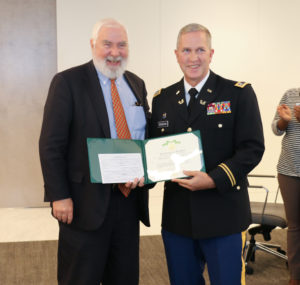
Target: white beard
[{"x": 102, "y": 67}]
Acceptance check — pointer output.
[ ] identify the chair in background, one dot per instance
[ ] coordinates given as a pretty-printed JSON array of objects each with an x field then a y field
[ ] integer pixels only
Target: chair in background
[{"x": 267, "y": 215}]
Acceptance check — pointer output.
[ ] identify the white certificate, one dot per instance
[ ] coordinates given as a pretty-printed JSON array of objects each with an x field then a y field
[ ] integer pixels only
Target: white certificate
[
  {"x": 120, "y": 167},
  {"x": 167, "y": 157}
]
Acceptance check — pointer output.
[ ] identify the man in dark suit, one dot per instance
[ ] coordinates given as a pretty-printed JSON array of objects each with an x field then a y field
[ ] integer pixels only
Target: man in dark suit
[
  {"x": 204, "y": 216},
  {"x": 98, "y": 225}
]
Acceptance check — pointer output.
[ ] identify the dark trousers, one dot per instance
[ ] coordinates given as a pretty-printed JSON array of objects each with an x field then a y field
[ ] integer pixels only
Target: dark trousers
[
  {"x": 290, "y": 192},
  {"x": 186, "y": 259},
  {"x": 109, "y": 255}
]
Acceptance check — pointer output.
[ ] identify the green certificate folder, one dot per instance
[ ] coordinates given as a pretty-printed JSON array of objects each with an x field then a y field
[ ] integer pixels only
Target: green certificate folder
[{"x": 157, "y": 159}]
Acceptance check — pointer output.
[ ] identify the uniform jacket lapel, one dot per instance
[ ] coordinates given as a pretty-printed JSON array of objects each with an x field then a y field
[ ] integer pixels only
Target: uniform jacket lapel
[{"x": 178, "y": 100}]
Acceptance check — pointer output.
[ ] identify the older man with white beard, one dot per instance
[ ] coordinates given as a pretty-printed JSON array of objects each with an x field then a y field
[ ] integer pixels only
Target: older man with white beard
[{"x": 98, "y": 223}]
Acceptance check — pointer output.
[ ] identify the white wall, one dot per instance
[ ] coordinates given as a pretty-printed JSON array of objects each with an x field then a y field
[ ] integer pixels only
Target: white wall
[{"x": 256, "y": 41}]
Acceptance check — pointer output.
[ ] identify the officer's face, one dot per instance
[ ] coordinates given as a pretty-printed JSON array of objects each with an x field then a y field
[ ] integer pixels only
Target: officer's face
[{"x": 194, "y": 56}]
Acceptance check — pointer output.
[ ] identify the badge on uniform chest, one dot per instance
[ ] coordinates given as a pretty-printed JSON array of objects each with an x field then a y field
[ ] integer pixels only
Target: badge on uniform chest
[
  {"x": 163, "y": 123},
  {"x": 216, "y": 108}
]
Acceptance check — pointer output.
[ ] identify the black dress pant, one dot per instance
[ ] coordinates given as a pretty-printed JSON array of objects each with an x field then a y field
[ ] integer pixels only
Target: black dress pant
[{"x": 108, "y": 255}]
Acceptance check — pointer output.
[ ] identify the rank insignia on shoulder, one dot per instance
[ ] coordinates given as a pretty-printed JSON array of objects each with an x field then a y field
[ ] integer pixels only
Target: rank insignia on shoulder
[
  {"x": 241, "y": 84},
  {"x": 157, "y": 93}
]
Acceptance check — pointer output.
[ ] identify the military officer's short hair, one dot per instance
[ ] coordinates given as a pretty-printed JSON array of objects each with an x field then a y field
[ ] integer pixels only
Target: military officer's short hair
[{"x": 194, "y": 27}]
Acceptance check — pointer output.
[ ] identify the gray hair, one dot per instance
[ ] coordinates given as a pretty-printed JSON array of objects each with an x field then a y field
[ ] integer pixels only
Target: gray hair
[
  {"x": 104, "y": 22},
  {"x": 194, "y": 27}
]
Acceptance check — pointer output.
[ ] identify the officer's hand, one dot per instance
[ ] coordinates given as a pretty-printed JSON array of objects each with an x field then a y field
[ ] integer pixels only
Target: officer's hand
[
  {"x": 198, "y": 181},
  {"x": 63, "y": 210}
]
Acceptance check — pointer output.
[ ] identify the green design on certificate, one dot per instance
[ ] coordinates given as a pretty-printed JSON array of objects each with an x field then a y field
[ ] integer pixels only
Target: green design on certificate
[{"x": 168, "y": 160}]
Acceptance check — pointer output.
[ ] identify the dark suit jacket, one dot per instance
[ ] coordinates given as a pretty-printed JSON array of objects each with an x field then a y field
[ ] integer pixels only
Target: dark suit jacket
[
  {"x": 75, "y": 109},
  {"x": 233, "y": 145}
]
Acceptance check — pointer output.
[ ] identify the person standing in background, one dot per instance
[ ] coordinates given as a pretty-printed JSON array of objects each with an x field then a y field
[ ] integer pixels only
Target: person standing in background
[
  {"x": 287, "y": 122},
  {"x": 98, "y": 223}
]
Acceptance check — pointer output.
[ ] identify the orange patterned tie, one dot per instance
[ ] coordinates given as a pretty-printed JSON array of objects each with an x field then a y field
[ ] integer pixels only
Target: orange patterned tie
[
  {"x": 121, "y": 124},
  {"x": 120, "y": 119}
]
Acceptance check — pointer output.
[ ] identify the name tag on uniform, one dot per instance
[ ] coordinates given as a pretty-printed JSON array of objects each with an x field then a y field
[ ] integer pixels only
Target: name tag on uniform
[
  {"x": 162, "y": 124},
  {"x": 218, "y": 108}
]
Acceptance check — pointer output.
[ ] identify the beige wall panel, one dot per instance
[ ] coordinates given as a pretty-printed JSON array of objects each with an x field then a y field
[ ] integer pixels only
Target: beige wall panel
[{"x": 28, "y": 62}]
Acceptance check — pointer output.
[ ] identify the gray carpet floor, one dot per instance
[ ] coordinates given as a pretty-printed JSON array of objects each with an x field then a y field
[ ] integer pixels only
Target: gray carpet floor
[{"x": 34, "y": 263}]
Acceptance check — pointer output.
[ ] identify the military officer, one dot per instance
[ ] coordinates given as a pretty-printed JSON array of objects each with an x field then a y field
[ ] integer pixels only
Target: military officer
[{"x": 204, "y": 216}]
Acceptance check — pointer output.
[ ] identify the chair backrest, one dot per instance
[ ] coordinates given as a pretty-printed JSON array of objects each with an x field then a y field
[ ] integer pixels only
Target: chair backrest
[{"x": 265, "y": 212}]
